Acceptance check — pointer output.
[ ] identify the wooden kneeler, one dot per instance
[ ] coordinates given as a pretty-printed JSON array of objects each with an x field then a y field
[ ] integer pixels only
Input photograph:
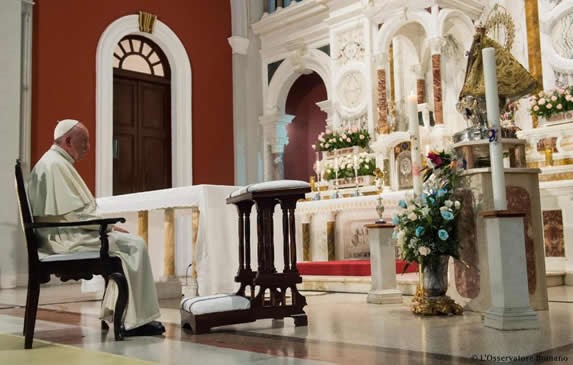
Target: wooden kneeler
[{"x": 268, "y": 290}]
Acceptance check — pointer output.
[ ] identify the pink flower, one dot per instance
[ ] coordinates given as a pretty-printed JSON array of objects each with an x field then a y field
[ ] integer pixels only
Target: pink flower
[
  {"x": 435, "y": 159},
  {"x": 541, "y": 101},
  {"x": 549, "y": 106},
  {"x": 559, "y": 106},
  {"x": 536, "y": 108},
  {"x": 348, "y": 140},
  {"x": 554, "y": 98}
]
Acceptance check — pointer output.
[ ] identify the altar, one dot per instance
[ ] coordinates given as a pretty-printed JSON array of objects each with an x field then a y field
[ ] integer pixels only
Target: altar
[
  {"x": 202, "y": 229},
  {"x": 333, "y": 229}
]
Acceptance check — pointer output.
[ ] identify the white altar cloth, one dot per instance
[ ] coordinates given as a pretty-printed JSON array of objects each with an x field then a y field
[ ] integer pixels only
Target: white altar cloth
[{"x": 217, "y": 242}]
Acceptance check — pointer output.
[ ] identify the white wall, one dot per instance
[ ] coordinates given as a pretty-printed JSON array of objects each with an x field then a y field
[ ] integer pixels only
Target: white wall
[{"x": 13, "y": 258}]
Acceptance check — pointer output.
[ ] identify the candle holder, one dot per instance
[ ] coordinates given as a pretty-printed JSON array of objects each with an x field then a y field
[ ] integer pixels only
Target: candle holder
[
  {"x": 380, "y": 210},
  {"x": 312, "y": 183}
]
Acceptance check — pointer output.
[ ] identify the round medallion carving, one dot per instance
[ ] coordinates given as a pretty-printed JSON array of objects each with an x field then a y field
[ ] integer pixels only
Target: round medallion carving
[{"x": 351, "y": 89}]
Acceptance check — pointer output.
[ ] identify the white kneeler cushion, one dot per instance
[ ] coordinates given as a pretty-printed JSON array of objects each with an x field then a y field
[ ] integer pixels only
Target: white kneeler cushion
[
  {"x": 215, "y": 304},
  {"x": 270, "y": 185}
]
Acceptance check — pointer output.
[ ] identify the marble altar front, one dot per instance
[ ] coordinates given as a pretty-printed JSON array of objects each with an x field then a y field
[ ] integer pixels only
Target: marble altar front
[{"x": 333, "y": 229}]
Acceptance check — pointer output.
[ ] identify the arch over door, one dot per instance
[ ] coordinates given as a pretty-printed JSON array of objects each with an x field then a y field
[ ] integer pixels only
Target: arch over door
[{"x": 142, "y": 117}]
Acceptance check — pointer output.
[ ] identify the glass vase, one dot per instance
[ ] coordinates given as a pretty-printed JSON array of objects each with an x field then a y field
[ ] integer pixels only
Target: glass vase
[{"x": 435, "y": 276}]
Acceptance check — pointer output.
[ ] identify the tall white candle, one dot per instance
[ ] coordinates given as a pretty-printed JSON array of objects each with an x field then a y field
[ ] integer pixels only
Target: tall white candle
[
  {"x": 414, "y": 130},
  {"x": 495, "y": 146}
]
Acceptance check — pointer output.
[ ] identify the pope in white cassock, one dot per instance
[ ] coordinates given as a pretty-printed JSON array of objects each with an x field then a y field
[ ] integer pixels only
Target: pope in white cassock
[{"x": 58, "y": 194}]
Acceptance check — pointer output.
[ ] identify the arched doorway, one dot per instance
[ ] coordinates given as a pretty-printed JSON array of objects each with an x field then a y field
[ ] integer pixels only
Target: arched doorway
[
  {"x": 308, "y": 123},
  {"x": 141, "y": 117}
]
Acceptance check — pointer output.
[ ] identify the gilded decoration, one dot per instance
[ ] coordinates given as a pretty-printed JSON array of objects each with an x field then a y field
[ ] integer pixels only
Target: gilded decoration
[
  {"x": 513, "y": 79},
  {"x": 553, "y": 233},
  {"x": 422, "y": 304},
  {"x": 146, "y": 22},
  {"x": 557, "y": 177},
  {"x": 518, "y": 200},
  {"x": 403, "y": 158},
  {"x": 499, "y": 24}
]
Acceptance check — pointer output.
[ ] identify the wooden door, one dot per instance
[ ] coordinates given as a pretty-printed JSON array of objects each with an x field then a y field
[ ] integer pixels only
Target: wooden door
[{"x": 141, "y": 133}]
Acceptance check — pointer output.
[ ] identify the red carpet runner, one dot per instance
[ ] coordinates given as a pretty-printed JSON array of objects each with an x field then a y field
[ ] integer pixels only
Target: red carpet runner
[{"x": 346, "y": 267}]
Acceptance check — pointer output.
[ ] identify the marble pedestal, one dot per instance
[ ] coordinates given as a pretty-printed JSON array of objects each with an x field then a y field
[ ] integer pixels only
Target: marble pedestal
[
  {"x": 471, "y": 286},
  {"x": 383, "y": 265},
  {"x": 509, "y": 292}
]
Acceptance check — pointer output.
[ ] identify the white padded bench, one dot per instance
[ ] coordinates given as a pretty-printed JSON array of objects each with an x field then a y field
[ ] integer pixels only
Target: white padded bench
[
  {"x": 201, "y": 313},
  {"x": 215, "y": 303}
]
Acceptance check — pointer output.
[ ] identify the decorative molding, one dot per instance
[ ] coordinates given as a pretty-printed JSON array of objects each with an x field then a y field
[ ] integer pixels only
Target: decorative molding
[
  {"x": 239, "y": 45},
  {"x": 381, "y": 60},
  {"x": 146, "y": 22},
  {"x": 473, "y": 8},
  {"x": 284, "y": 16},
  {"x": 274, "y": 130},
  {"x": 182, "y": 151},
  {"x": 436, "y": 45},
  {"x": 288, "y": 72}
]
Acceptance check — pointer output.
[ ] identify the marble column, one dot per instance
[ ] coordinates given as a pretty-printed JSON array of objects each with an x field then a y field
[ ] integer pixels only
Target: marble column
[
  {"x": 391, "y": 70},
  {"x": 566, "y": 204},
  {"x": 195, "y": 224},
  {"x": 436, "y": 50},
  {"x": 275, "y": 139},
  {"x": 306, "y": 255},
  {"x": 382, "y": 94},
  {"x": 143, "y": 225},
  {"x": 168, "y": 244},
  {"x": 330, "y": 236},
  {"x": 382, "y": 124},
  {"x": 383, "y": 265},
  {"x": 247, "y": 74},
  {"x": 13, "y": 268}
]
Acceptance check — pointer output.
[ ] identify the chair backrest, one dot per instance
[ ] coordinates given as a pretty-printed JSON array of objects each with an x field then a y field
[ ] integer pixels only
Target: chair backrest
[{"x": 26, "y": 214}]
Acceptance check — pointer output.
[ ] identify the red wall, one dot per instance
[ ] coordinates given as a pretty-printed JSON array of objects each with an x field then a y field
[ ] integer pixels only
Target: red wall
[
  {"x": 66, "y": 35},
  {"x": 303, "y": 131}
]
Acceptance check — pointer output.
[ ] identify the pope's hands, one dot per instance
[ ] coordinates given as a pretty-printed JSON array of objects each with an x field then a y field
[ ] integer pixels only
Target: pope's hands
[{"x": 119, "y": 229}]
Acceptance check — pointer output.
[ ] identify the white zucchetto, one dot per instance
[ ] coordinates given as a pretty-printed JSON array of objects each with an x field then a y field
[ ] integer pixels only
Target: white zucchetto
[{"x": 64, "y": 127}]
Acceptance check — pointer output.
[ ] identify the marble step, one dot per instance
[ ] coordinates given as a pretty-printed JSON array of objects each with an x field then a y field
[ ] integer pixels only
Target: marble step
[
  {"x": 354, "y": 284},
  {"x": 406, "y": 282}
]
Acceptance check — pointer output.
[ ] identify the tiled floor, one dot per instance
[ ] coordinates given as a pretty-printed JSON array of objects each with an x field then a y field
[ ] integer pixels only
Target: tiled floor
[{"x": 342, "y": 329}]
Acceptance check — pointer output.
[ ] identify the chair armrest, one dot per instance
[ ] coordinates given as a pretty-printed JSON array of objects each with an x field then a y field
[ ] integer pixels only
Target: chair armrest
[
  {"x": 91, "y": 222},
  {"x": 103, "y": 223}
]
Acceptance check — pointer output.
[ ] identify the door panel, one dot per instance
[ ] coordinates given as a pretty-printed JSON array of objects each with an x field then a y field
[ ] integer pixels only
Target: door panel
[
  {"x": 154, "y": 170},
  {"x": 124, "y": 165},
  {"x": 142, "y": 129}
]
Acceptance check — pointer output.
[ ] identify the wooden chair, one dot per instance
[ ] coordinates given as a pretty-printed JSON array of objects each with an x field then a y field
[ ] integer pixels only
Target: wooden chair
[{"x": 75, "y": 266}]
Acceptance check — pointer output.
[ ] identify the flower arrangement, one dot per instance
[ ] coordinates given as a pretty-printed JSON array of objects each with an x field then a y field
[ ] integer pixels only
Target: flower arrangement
[
  {"x": 548, "y": 103},
  {"x": 348, "y": 137},
  {"x": 364, "y": 163},
  {"x": 426, "y": 226}
]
